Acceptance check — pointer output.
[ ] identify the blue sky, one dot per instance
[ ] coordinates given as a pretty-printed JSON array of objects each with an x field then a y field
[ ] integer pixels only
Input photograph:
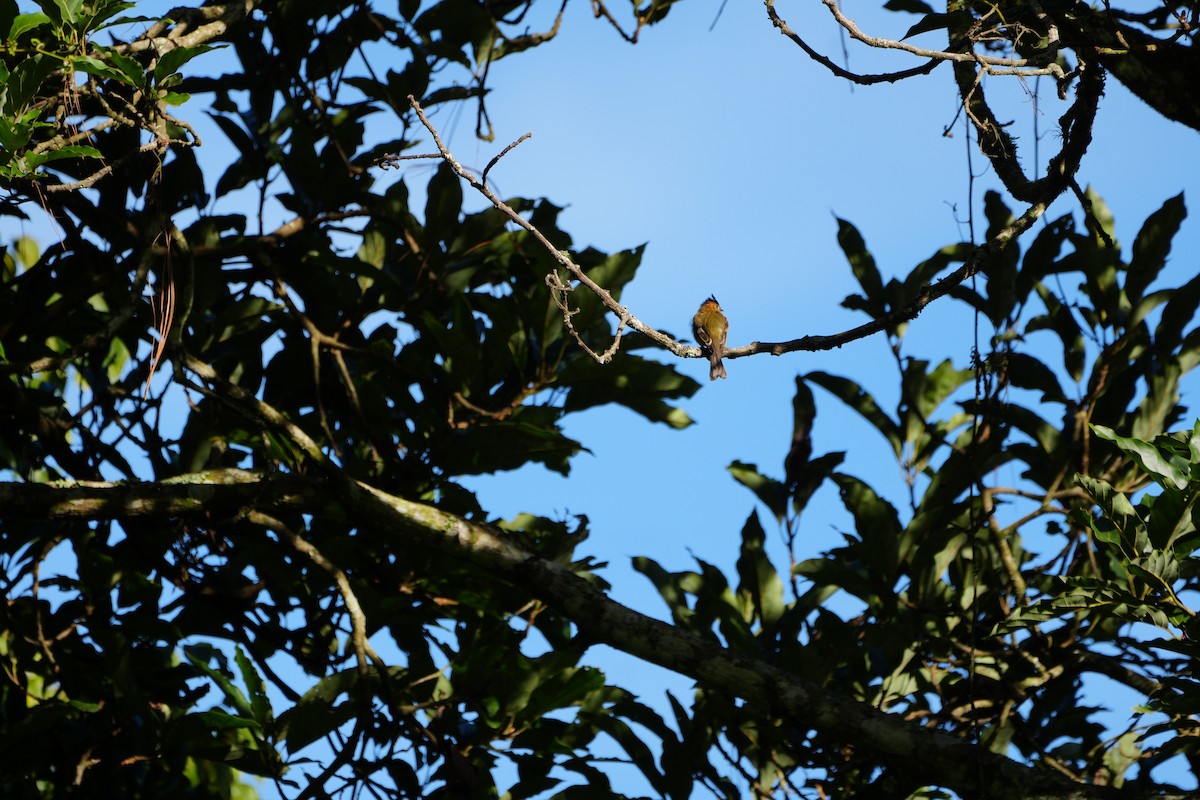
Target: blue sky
[{"x": 729, "y": 152}]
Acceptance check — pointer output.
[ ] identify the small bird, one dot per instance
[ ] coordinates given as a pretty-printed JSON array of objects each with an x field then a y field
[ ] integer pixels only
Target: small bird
[{"x": 710, "y": 328}]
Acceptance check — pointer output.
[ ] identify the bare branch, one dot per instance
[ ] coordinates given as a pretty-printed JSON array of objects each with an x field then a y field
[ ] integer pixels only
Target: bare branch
[
  {"x": 927, "y": 295},
  {"x": 1016, "y": 66},
  {"x": 624, "y": 318},
  {"x": 969, "y": 42},
  {"x": 862, "y": 80},
  {"x": 560, "y": 289},
  {"x": 559, "y": 292},
  {"x": 1042, "y": 64},
  {"x": 500, "y": 155}
]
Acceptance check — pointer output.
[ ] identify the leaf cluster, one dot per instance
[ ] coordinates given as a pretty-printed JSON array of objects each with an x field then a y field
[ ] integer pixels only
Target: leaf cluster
[
  {"x": 986, "y": 610},
  {"x": 412, "y": 344}
]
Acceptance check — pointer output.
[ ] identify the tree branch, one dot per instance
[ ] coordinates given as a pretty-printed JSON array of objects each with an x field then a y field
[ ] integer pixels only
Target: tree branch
[
  {"x": 560, "y": 289},
  {"x": 927, "y": 295},
  {"x": 561, "y": 256},
  {"x": 936, "y": 758}
]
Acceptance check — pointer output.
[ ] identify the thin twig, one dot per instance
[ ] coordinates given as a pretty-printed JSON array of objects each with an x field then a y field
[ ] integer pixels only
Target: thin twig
[
  {"x": 358, "y": 620},
  {"x": 993, "y": 64},
  {"x": 561, "y": 256},
  {"x": 500, "y": 155},
  {"x": 841, "y": 72}
]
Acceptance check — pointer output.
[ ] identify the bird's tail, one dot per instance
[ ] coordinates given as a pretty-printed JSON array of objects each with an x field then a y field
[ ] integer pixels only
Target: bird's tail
[{"x": 717, "y": 367}]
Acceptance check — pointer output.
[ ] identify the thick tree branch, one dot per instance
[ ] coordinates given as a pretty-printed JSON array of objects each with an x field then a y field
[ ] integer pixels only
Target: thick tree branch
[
  {"x": 933, "y": 757},
  {"x": 190, "y": 27},
  {"x": 1161, "y": 72}
]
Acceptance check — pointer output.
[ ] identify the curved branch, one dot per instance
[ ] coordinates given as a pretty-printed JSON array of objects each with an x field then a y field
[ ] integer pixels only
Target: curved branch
[
  {"x": 854, "y": 77},
  {"x": 358, "y": 619},
  {"x": 1042, "y": 64},
  {"x": 561, "y": 256},
  {"x": 1001, "y": 149}
]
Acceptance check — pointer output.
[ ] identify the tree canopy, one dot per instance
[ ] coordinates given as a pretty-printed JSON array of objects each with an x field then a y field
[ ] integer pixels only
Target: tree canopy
[{"x": 236, "y": 536}]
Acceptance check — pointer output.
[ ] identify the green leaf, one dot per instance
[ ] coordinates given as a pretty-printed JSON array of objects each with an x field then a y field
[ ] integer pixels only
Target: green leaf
[
  {"x": 443, "y": 204},
  {"x": 131, "y": 68},
  {"x": 28, "y": 252},
  {"x": 641, "y": 385},
  {"x": 62, "y": 12},
  {"x": 937, "y": 21},
  {"x": 1041, "y": 257},
  {"x": 638, "y": 751},
  {"x": 1060, "y": 319},
  {"x": 73, "y": 151},
  {"x": 1179, "y": 311},
  {"x": 1119, "y": 513},
  {"x": 1162, "y": 467},
  {"x": 1001, "y": 267},
  {"x": 771, "y": 492},
  {"x": 102, "y": 69},
  {"x": 199, "y": 656},
  {"x": 927, "y": 270},
  {"x": 25, "y": 82},
  {"x": 507, "y": 444},
  {"x": 857, "y": 398},
  {"x": 758, "y": 577},
  {"x": 668, "y": 588},
  {"x": 1153, "y": 245},
  {"x": 877, "y": 524},
  {"x": 102, "y": 11},
  {"x": 172, "y": 60},
  {"x": 219, "y": 720},
  {"x": 26, "y": 22},
  {"x": 1101, "y": 214},
  {"x": 1027, "y": 372},
  {"x": 802, "y": 475},
  {"x": 930, "y": 390},
  {"x": 862, "y": 264},
  {"x": 116, "y": 359},
  {"x": 260, "y": 706},
  {"x": 315, "y": 715}
]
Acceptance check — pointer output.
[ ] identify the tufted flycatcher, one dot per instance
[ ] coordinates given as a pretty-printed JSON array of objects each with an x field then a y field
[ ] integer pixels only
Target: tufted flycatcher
[{"x": 710, "y": 328}]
